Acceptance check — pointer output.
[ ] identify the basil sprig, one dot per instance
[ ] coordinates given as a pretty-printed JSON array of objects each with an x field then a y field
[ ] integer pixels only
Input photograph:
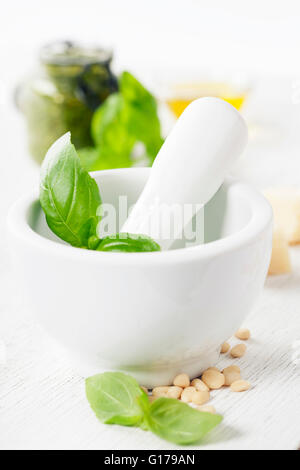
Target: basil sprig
[
  {"x": 71, "y": 201},
  {"x": 129, "y": 243},
  {"x": 69, "y": 196},
  {"x": 113, "y": 396},
  {"x": 127, "y": 121},
  {"x": 117, "y": 398},
  {"x": 177, "y": 422}
]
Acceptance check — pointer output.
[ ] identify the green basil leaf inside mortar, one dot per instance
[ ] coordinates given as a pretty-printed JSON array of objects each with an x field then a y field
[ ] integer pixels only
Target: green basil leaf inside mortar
[
  {"x": 177, "y": 422},
  {"x": 68, "y": 195},
  {"x": 129, "y": 243},
  {"x": 114, "y": 397}
]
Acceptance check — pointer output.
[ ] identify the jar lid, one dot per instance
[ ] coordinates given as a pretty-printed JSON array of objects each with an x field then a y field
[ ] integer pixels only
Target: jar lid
[{"x": 66, "y": 53}]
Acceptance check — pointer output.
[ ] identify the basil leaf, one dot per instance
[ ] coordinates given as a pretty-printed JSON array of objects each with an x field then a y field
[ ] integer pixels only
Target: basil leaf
[
  {"x": 88, "y": 157},
  {"x": 177, "y": 422},
  {"x": 110, "y": 133},
  {"x": 129, "y": 243},
  {"x": 143, "y": 121},
  {"x": 93, "y": 242},
  {"x": 68, "y": 195},
  {"x": 126, "y": 118},
  {"x": 114, "y": 396}
]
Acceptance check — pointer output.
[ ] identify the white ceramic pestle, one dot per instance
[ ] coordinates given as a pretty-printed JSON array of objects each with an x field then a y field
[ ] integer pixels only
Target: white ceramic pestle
[{"x": 190, "y": 167}]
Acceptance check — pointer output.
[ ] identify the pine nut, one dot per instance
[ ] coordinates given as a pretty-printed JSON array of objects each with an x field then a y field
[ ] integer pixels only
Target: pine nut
[
  {"x": 234, "y": 367},
  {"x": 145, "y": 389},
  {"x": 213, "y": 379},
  {"x": 182, "y": 380},
  {"x": 238, "y": 350},
  {"x": 160, "y": 391},
  {"x": 199, "y": 385},
  {"x": 225, "y": 348},
  {"x": 243, "y": 334},
  {"x": 187, "y": 394},
  {"x": 231, "y": 375},
  {"x": 168, "y": 392},
  {"x": 199, "y": 398},
  {"x": 207, "y": 409},
  {"x": 174, "y": 392},
  {"x": 240, "y": 386}
]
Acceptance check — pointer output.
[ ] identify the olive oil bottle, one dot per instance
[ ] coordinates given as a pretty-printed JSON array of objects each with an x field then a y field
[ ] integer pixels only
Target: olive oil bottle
[{"x": 181, "y": 95}]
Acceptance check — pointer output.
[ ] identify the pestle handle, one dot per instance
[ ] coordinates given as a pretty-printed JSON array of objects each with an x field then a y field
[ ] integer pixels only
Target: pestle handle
[{"x": 191, "y": 165}]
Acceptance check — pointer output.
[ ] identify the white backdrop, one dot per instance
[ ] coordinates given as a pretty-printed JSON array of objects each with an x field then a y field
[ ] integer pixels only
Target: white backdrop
[
  {"x": 258, "y": 35},
  {"x": 41, "y": 402}
]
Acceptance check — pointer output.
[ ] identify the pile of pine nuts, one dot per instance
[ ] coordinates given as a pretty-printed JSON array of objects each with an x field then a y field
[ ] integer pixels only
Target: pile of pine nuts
[{"x": 197, "y": 391}]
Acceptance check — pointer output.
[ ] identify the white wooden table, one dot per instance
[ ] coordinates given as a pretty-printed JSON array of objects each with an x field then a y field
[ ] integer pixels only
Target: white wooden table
[{"x": 42, "y": 400}]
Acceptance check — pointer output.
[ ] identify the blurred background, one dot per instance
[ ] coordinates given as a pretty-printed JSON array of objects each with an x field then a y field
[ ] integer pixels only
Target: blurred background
[{"x": 245, "y": 52}]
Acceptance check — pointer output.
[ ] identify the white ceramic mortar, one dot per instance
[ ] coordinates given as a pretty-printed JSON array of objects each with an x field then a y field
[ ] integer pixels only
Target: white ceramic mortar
[{"x": 152, "y": 315}]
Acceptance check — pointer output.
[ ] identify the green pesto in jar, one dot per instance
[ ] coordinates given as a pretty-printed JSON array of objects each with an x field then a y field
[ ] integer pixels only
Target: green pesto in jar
[{"x": 71, "y": 83}]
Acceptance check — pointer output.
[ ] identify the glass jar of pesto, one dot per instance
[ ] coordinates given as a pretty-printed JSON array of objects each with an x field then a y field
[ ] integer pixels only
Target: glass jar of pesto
[{"x": 71, "y": 82}]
